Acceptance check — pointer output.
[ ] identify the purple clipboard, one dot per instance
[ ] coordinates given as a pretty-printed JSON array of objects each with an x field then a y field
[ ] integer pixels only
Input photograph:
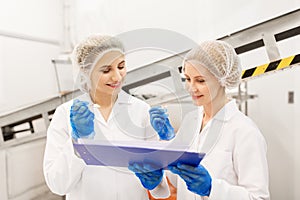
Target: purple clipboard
[{"x": 122, "y": 156}]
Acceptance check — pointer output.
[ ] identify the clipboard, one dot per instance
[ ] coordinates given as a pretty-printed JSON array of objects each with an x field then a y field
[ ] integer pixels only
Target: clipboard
[{"x": 122, "y": 154}]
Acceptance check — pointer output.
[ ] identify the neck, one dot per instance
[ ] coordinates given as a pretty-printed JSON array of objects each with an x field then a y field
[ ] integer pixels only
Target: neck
[
  {"x": 211, "y": 109},
  {"x": 104, "y": 100}
]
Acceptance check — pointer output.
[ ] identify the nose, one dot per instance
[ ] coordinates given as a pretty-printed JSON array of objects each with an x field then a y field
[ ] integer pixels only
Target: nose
[
  {"x": 116, "y": 76},
  {"x": 191, "y": 87}
]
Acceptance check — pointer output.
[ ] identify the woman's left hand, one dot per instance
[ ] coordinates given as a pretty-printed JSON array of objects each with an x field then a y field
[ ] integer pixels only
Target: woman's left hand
[{"x": 196, "y": 178}]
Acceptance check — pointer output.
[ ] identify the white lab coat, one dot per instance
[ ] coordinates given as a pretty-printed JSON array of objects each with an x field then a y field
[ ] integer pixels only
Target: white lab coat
[
  {"x": 66, "y": 174},
  {"x": 236, "y": 160}
]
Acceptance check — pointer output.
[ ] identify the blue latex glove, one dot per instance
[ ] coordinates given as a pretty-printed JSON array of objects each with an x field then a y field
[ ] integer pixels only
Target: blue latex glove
[
  {"x": 82, "y": 120},
  {"x": 149, "y": 176},
  {"x": 161, "y": 124},
  {"x": 196, "y": 178}
]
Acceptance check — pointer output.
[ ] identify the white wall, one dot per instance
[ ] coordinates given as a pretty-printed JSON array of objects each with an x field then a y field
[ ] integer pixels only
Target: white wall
[
  {"x": 32, "y": 17},
  {"x": 196, "y": 19},
  {"x": 278, "y": 121},
  {"x": 26, "y": 71},
  {"x": 297, "y": 135}
]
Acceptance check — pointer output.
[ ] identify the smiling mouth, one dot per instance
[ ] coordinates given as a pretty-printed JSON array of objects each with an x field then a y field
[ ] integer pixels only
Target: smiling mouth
[
  {"x": 114, "y": 85},
  {"x": 197, "y": 97}
]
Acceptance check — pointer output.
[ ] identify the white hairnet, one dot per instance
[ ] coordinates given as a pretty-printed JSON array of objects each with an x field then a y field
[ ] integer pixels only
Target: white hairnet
[
  {"x": 87, "y": 53},
  {"x": 220, "y": 59}
]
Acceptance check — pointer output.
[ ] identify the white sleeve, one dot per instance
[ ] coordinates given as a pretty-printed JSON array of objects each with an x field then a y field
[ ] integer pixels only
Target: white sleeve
[
  {"x": 62, "y": 168},
  {"x": 251, "y": 168}
]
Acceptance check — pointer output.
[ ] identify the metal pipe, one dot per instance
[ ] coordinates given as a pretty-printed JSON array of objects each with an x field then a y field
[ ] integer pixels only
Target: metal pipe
[
  {"x": 1, "y": 137},
  {"x": 246, "y": 98},
  {"x": 28, "y": 38},
  {"x": 66, "y": 40},
  {"x": 239, "y": 97},
  {"x": 56, "y": 76}
]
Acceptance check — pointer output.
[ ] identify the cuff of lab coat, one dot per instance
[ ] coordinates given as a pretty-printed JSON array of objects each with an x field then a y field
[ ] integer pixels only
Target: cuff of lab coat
[
  {"x": 162, "y": 190},
  {"x": 74, "y": 162},
  {"x": 214, "y": 193},
  {"x": 219, "y": 190},
  {"x": 64, "y": 172}
]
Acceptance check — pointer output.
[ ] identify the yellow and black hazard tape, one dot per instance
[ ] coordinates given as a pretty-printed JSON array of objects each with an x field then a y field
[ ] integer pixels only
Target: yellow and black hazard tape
[{"x": 270, "y": 67}]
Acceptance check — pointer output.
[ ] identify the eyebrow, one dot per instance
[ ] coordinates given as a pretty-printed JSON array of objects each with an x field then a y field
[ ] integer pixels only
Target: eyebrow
[
  {"x": 195, "y": 76},
  {"x": 107, "y": 66},
  {"x": 122, "y": 62},
  {"x": 104, "y": 67}
]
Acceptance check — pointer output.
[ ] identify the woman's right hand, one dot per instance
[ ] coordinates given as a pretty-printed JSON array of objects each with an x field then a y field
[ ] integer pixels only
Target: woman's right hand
[
  {"x": 81, "y": 119},
  {"x": 149, "y": 175}
]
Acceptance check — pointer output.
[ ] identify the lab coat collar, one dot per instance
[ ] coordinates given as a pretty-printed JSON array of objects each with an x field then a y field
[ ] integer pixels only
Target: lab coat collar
[
  {"x": 214, "y": 126},
  {"x": 119, "y": 106},
  {"x": 227, "y": 111},
  {"x": 123, "y": 98}
]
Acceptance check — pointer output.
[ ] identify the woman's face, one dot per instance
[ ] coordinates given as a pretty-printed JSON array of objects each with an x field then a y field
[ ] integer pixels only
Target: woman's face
[
  {"x": 108, "y": 75},
  {"x": 202, "y": 85}
]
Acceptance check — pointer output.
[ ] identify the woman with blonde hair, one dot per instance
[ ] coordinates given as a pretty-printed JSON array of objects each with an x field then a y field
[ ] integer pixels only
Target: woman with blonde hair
[
  {"x": 103, "y": 112},
  {"x": 235, "y": 165}
]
